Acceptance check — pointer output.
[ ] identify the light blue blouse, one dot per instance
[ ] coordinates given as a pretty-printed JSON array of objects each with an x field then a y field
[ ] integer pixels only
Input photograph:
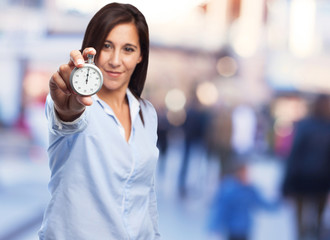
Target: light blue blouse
[{"x": 101, "y": 186}]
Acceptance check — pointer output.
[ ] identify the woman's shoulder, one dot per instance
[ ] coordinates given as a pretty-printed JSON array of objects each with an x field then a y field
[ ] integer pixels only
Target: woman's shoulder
[
  {"x": 149, "y": 113},
  {"x": 147, "y": 106}
]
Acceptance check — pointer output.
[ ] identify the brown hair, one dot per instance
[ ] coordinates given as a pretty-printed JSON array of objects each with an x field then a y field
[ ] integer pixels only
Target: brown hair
[{"x": 104, "y": 21}]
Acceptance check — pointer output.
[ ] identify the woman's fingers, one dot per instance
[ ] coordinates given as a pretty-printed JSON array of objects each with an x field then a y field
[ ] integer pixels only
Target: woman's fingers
[
  {"x": 58, "y": 83},
  {"x": 63, "y": 81},
  {"x": 87, "y": 51},
  {"x": 77, "y": 59},
  {"x": 65, "y": 72}
]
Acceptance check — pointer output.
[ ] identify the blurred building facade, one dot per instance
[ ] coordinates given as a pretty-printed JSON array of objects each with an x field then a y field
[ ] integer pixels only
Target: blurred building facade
[{"x": 233, "y": 52}]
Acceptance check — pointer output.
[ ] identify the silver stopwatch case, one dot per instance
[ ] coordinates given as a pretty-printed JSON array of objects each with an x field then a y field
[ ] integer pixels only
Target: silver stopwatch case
[{"x": 87, "y": 80}]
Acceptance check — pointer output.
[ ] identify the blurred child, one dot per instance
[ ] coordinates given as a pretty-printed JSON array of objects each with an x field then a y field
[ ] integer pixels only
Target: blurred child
[{"x": 234, "y": 205}]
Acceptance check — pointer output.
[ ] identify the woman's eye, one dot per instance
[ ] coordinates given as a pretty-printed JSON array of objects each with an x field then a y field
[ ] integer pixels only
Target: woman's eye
[
  {"x": 107, "y": 45},
  {"x": 129, "y": 49}
]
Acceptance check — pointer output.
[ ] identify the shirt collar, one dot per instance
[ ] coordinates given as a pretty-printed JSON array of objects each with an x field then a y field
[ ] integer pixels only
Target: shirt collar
[{"x": 133, "y": 103}]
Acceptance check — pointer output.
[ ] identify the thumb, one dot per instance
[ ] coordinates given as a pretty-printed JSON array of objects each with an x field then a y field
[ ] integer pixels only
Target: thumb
[{"x": 86, "y": 101}]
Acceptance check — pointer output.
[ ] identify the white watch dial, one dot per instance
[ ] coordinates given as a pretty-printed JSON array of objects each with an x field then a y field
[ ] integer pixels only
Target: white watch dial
[{"x": 87, "y": 80}]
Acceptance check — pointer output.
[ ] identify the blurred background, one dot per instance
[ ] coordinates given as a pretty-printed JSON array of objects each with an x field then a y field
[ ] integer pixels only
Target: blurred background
[{"x": 229, "y": 78}]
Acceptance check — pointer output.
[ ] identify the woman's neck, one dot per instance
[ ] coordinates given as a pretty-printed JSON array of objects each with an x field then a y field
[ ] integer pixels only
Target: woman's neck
[
  {"x": 118, "y": 102},
  {"x": 115, "y": 99}
]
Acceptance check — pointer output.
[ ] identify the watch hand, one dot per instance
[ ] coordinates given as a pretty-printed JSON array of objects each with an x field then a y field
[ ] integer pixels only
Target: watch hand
[{"x": 87, "y": 76}]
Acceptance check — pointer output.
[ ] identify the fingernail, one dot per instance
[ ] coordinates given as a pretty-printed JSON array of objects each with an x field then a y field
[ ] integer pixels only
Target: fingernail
[{"x": 80, "y": 62}]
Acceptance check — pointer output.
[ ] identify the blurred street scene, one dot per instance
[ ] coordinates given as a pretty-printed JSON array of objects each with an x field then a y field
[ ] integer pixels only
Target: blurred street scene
[{"x": 236, "y": 86}]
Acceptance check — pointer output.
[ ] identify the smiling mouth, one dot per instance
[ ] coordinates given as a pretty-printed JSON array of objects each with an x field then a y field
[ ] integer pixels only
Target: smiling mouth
[{"x": 113, "y": 74}]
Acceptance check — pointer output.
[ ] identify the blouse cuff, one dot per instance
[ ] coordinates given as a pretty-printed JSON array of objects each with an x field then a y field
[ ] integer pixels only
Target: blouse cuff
[{"x": 59, "y": 127}]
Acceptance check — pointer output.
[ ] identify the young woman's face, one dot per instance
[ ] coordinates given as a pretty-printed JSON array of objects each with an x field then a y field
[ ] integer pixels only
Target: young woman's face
[{"x": 119, "y": 56}]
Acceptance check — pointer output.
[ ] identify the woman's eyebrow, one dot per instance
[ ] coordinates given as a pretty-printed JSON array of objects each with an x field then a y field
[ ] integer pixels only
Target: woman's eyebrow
[
  {"x": 126, "y": 45},
  {"x": 131, "y": 45}
]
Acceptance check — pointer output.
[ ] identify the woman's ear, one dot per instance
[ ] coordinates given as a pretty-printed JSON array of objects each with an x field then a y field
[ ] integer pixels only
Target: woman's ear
[{"x": 139, "y": 60}]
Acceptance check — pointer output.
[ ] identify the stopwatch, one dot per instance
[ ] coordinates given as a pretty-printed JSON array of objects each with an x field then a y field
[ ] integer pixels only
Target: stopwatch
[{"x": 87, "y": 80}]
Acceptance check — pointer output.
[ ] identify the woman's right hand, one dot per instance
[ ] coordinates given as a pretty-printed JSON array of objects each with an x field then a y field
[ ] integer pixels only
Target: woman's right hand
[{"x": 69, "y": 105}]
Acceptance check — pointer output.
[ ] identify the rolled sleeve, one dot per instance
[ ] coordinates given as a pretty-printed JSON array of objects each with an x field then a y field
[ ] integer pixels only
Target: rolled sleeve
[{"x": 60, "y": 128}]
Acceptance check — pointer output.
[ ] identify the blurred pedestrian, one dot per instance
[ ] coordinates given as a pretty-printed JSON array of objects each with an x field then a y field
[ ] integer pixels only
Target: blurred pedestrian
[
  {"x": 162, "y": 143},
  {"x": 194, "y": 138},
  {"x": 307, "y": 176},
  {"x": 102, "y": 148},
  {"x": 234, "y": 204},
  {"x": 219, "y": 134}
]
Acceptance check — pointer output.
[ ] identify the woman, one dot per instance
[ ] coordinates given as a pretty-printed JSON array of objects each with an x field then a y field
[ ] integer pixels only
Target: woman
[{"x": 102, "y": 148}]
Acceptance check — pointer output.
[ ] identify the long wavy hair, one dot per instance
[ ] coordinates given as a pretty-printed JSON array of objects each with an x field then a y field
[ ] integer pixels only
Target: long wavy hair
[{"x": 104, "y": 21}]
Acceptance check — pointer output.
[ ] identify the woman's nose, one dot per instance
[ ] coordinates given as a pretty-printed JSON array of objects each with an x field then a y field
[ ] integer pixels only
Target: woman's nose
[{"x": 115, "y": 59}]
